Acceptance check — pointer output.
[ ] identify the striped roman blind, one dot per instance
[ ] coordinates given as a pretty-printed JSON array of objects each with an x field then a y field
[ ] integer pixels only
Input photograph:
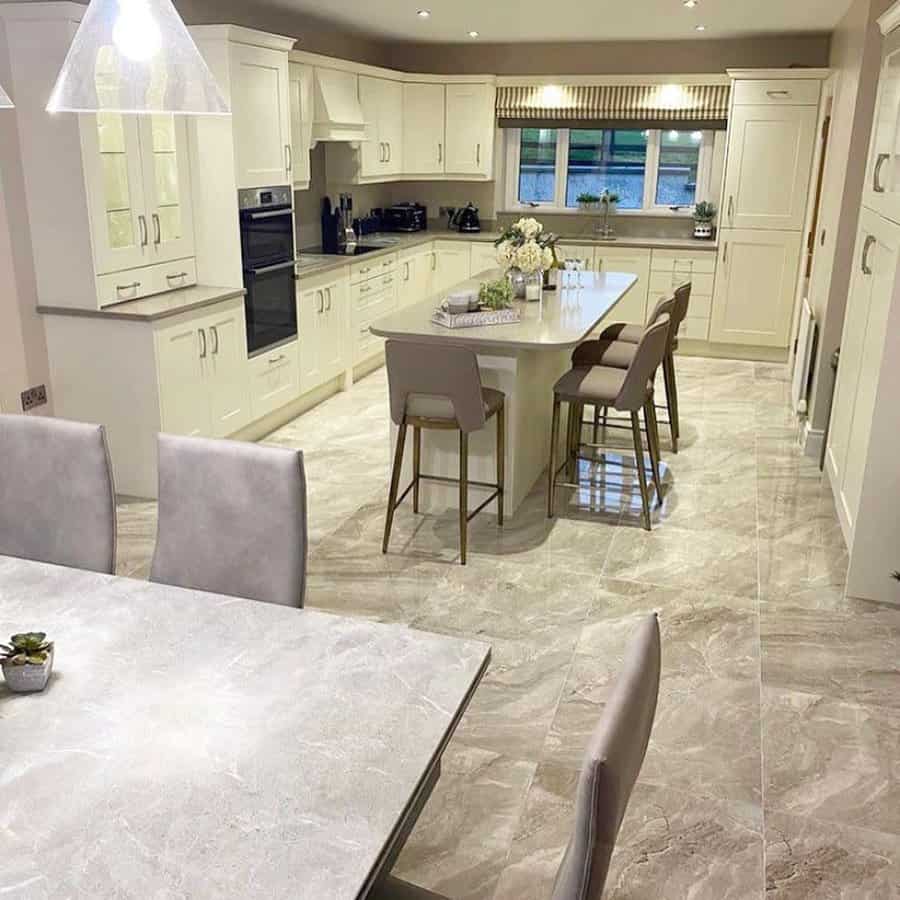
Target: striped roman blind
[{"x": 622, "y": 104}]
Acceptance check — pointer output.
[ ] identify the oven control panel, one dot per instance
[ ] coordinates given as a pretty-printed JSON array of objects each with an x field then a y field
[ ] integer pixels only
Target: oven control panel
[{"x": 255, "y": 198}]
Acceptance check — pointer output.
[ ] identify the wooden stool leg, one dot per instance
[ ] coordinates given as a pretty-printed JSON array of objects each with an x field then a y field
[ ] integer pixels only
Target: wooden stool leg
[
  {"x": 417, "y": 465},
  {"x": 501, "y": 460},
  {"x": 668, "y": 367},
  {"x": 463, "y": 494},
  {"x": 639, "y": 459},
  {"x": 554, "y": 441},
  {"x": 395, "y": 485},
  {"x": 596, "y": 423},
  {"x": 653, "y": 443}
]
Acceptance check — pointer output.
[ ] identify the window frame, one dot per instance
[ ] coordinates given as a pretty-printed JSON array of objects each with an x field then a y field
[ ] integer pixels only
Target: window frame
[{"x": 649, "y": 206}]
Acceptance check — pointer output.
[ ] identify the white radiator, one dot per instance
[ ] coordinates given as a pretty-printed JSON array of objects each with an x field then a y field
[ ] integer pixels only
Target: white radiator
[{"x": 806, "y": 334}]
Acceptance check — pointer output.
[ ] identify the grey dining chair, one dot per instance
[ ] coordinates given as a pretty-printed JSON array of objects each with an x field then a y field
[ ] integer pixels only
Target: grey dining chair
[
  {"x": 57, "y": 497},
  {"x": 439, "y": 387},
  {"x": 232, "y": 519},
  {"x": 618, "y": 336},
  {"x": 590, "y": 382},
  {"x": 609, "y": 771}
]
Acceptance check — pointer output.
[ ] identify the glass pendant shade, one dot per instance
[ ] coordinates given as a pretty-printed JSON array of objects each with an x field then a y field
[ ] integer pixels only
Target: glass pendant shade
[
  {"x": 135, "y": 56},
  {"x": 5, "y": 102}
]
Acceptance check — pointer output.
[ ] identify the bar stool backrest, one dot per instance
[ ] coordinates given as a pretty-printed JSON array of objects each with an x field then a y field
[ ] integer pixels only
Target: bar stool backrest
[
  {"x": 663, "y": 305},
  {"x": 642, "y": 371},
  {"x": 418, "y": 371},
  {"x": 682, "y": 299}
]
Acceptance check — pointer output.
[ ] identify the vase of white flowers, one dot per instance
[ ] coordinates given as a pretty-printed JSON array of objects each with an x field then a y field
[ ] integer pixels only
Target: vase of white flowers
[{"x": 525, "y": 251}]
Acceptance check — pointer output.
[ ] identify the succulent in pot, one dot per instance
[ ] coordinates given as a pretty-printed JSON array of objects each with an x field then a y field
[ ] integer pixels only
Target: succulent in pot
[
  {"x": 704, "y": 213},
  {"x": 587, "y": 200},
  {"x": 27, "y": 661}
]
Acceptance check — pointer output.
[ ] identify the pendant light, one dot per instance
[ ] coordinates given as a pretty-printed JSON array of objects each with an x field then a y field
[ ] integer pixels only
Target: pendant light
[
  {"x": 5, "y": 102},
  {"x": 135, "y": 56}
]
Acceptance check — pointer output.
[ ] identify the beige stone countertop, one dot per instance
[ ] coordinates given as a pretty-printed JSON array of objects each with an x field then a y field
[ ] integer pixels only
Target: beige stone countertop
[
  {"x": 562, "y": 319},
  {"x": 310, "y": 262},
  {"x": 157, "y": 306}
]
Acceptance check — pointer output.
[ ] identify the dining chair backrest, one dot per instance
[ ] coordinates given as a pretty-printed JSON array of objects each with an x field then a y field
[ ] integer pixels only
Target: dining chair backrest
[
  {"x": 646, "y": 360},
  {"x": 611, "y": 766},
  {"x": 419, "y": 374},
  {"x": 232, "y": 519},
  {"x": 57, "y": 499}
]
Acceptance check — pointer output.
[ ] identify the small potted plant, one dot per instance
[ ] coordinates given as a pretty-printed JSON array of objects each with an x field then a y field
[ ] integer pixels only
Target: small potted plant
[
  {"x": 704, "y": 213},
  {"x": 587, "y": 201},
  {"x": 496, "y": 295},
  {"x": 27, "y": 661}
]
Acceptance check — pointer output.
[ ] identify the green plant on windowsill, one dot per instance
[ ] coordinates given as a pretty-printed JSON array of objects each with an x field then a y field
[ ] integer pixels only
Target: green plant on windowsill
[
  {"x": 496, "y": 294},
  {"x": 704, "y": 211},
  {"x": 587, "y": 200}
]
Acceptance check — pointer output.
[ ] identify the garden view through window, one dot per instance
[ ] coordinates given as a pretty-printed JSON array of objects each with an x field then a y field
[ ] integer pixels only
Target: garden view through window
[{"x": 615, "y": 159}]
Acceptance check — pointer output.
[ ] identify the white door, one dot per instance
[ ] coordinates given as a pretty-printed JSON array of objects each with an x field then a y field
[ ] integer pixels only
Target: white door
[
  {"x": 311, "y": 308},
  {"x": 300, "y": 84},
  {"x": 167, "y": 186},
  {"x": 484, "y": 258},
  {"x": 333, "y": 320},
  {"x": 390, "y": 126},
  {"x": 862, "y": 344},
  {"x": 227, "y": 372},
  {"x": 451, "y": 264},
  {"x": 120, "y": 229},
  {"x": 181, "y": 354},
  {"x": 469, "y": 129},
  {"x": 423, "y": 129},
  {"x": 754, "y": 291},
  {"x": 767, "y": 167},
  {"x": 632, "y": 308},
  {"x": 260, "y": 115},
  {"x": 881, "y": 189}
]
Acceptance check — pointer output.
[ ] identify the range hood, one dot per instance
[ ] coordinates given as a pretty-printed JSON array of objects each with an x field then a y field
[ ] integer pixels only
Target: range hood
[{"x": 337, "y": 114}]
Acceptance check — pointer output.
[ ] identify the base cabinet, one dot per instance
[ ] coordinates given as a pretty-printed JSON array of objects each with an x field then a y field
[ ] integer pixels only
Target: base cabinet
[
  {"x": 632, "y": 308},
  {"x": 274, "y": 379},
  {"x": 415, "y": 276},
  {"x": 452, "y": 264},
  {"x": 756, "y": 275},
  {"x": 322, "y": 317},
  {"x": 483, "y": 258}
]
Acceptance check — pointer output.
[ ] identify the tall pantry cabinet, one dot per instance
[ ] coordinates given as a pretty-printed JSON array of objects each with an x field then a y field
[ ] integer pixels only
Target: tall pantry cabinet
[
  {"x": 771, "y": 142},
  {"x": 861, "y": 453}
]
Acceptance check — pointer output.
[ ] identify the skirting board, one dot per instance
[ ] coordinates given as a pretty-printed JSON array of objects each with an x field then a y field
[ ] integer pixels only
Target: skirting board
[{"x": 687, "y": 347}]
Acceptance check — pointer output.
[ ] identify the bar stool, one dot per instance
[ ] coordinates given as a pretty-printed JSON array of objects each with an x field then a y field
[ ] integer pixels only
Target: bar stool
[
  {"x": 439, "y": 387},
  {"x": 676, "y": 306},
  {"x": 627, "y": 390}
]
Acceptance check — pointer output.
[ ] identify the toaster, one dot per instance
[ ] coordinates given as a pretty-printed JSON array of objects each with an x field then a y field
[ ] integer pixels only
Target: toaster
[{"x": 406, "y": 217}]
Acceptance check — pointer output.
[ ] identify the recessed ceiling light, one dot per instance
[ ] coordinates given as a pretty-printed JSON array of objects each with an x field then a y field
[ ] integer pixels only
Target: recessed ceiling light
[
  {"x": 423, "y": 13},
  {"x": 690, "y": 4},
  {"x": 473, "y": 34},
  {"x": 699, "y": 28}
]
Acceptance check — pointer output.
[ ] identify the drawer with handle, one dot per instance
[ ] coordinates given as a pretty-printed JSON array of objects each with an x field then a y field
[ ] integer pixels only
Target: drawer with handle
[
  {"x": 671, "y": 260},
  {"x": 786, "y": 91},
  {"x": 373, "y": 292},
  {"x": 119, "y": 287},
  {"x": 665, "y": 282},
  {"x": 274, "y": 379},
  {"x": 367, "y": 269}
]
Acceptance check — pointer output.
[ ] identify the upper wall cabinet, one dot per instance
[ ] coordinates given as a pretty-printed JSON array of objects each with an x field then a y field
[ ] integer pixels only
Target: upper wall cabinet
[
  {"x": 881, "y": 191},
  {"x": 423, "y": 129},
  {"x": 770, "y": 149},
  {"x": 382, "y": 105},
  {"x": 261, "y": 119},
  {"x": 300, "y": 83},
  {"x": 469, "y": 129}
]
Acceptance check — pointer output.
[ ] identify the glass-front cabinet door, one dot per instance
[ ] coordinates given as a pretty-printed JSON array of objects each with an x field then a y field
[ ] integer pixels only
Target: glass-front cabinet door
[
  {"x": 112, "y": 161},
  {"x": 167, "y": 186}
]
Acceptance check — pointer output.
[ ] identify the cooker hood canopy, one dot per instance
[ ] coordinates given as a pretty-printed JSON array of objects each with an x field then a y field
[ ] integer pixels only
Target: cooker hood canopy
[{"x": 337, "y": 114}]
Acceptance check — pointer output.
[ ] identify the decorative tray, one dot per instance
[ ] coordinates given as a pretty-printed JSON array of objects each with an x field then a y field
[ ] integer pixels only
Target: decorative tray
[{"x": 475, "y": 319}]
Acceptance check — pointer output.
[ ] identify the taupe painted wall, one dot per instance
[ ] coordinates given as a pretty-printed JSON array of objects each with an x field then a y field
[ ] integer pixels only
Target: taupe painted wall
[
  {"x": 613, "y": 57},
  {"x": 855, "y": 56}
]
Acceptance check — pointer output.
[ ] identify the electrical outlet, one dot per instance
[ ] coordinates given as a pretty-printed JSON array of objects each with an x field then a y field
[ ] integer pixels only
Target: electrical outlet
[
  {"x": 446, "y": 210},
  {"x": 36, "y": 396}
]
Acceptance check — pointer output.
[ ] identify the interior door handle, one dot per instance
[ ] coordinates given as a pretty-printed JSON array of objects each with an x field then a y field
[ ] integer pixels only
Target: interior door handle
[
  {"x": 215, "y": 333},
  {"x": 202, "y": 335},
  {"x": 157, "y": 230},
  {"x": 864, "y": 262},
  {"x": 877, "y": 186}
]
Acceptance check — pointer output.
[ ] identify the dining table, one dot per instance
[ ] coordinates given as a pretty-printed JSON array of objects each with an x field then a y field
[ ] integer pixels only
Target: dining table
[{"x": 194, "y": 745}]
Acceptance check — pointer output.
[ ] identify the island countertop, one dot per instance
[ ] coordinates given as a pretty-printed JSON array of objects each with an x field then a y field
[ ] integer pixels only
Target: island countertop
[{"x": 562, "y": 319}]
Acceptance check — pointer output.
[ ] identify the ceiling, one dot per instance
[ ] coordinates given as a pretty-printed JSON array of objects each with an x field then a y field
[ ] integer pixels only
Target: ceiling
[{"x": 573, "y": 20}]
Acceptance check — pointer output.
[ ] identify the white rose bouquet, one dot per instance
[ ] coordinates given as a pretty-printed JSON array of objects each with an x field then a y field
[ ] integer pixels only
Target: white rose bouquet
[{"x": 526, "y": 246}]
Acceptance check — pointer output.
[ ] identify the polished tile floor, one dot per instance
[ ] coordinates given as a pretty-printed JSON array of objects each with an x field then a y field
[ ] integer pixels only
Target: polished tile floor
[{"x": 774, "y": 768}]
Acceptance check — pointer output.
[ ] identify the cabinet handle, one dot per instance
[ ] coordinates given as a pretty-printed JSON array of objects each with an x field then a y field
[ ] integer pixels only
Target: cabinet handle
[
  {"x": 181, "y": 275},
  {"x": 781, "y": 94},
  {"x": 730, "y": 207},
  {"x": 364, "y": 330},
  {"x": 822, "y": 238},
  {"x": 478, "y": 154},
  {"x": 433, "y": 261},
  {"x": 288, "y": 158},
  {"x": 440, "y": 152},
  {"x": 142, "y": 223},
  {"x": 127, "y": 287},
  {"x": 365, "y": 270},
  {"x": 157, "y": 230},
  {"x": 276, "y": 359},
  {"x": 202, "y": 335},
  {"x": 406, "y": 271},
  {"x": 328, "y": 295},
  {"x": 877, "y": 186},
  {"x": 725, "y": 253},
  {"x": 389, "y": 152},
  {"x": 870, "y": 239},
  {"x": 215, "y": 333},
  {"x": 389, "y": 279},
  {"x": 321, "y": 307}
]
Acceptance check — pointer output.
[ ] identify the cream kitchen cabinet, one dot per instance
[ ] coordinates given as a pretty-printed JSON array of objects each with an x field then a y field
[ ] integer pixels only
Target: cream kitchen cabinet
[
  {"x": 423, "y": 129},
  {"x": 670, "y": 268},
  {"x": 583, "y": 253},
  {"x": 202, "y": 372},
  {"x": 382, "y": 105},
  {"x": 756, "y": 277},
  {"x": 260, "y": 115},
  {"x": 632, "y": 308},
  {"x": 451, "y": 262},
  {"x": 767, "y": 167},
  {"x": 469, "y": 129},
  {"x": 322, "y": 318},
  {"x": 139, "y": 195},
  {"x": 300, "y": 84},
  {"x": 274, "y": 379},
  {"x": 374, "y": 292},
  {"x": 483, "y": 257},
  {"x": 415, "y": 276}
]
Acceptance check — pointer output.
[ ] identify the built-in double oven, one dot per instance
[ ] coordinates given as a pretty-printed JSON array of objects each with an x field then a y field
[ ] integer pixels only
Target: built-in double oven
[{"x": 267, "y": 255}]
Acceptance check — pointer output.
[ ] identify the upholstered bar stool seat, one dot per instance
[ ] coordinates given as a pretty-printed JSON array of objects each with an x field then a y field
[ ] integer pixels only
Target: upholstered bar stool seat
[
  {"x": 591, "y": 384},
  {"x": 437, "y": 409},
  {"x": 619, "y": 331}
]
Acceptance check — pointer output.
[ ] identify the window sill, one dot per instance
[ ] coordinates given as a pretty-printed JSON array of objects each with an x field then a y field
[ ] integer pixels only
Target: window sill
[{"x": 661, "y": 213}]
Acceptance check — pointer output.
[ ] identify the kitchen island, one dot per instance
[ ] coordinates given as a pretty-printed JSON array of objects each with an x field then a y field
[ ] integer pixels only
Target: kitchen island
[{"x": 523, "y": 360}]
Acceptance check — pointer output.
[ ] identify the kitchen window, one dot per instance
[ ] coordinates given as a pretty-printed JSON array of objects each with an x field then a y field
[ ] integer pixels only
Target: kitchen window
[{"x": 652, "y": 170}]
